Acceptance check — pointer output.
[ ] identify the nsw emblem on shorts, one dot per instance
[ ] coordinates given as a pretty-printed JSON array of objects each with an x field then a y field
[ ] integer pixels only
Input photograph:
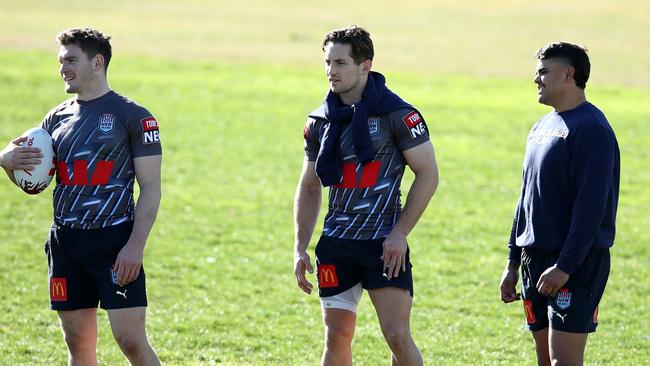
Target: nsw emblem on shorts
[
  {"x": 563, "y": 299},
  {"x": 114, "y": 277},
  {"x": 373, "y": 125},
  {"x": 106, "y": 122}
]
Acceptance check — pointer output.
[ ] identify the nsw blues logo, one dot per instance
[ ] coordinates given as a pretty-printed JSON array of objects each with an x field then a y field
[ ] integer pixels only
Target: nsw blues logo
[
  {"x": 114, "y": 277},
  {"x": 563, "y": 299},
  {"x": 373, "y": 125},
  {"x": 106, "y": 122}
]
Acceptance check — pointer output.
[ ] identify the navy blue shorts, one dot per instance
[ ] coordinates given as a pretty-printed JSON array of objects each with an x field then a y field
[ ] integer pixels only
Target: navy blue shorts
[
  {"x": 575, "y": 308},
  {"x": 81, "y": 273},
  {"x": 342, "y": 263}
]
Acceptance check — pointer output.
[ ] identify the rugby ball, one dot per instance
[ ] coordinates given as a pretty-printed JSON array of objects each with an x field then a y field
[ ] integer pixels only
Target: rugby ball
[{"x": 35, "y": 181}]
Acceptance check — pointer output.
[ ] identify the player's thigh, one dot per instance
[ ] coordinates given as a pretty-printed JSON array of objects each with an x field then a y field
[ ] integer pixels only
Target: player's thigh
[
  {"x": 128, "y": 323},
  {"x": 71, "y": 286},
  {"x": 346, "y": 300},
  {"x": 374, "y": 277},
  {"x": 575, "y": 307},
  {"x": 566, "y": 347},
  {"x": 541, "y": 346},
  {"x": 336, "y": 270},
  {"x": 98, "y": 260},
  {"x": 393, "y": 306},
  {"x": 541, "y": 338},
  {"x": 533, "y": 264},
  {"x": 79, "y": 325},
  {"x": 339, "y": 323}
]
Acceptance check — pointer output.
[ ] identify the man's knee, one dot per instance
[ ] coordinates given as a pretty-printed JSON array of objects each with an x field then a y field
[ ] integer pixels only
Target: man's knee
[
  {"x": 131, "y": 345},
  {"x": 567, "y": 349},
  {"x": 338, "y": 335},
  {"x": 78, "y": 343},
  {"x": 556, "y": 362},
  {"x": 566, "y": 360},
  {"x": 79, "y": 340},
  {"x": 397, "y": 336}
]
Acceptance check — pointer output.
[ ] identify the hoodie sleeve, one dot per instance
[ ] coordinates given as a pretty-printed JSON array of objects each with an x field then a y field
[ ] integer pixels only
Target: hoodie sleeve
[{"x": 514, "y": 252}]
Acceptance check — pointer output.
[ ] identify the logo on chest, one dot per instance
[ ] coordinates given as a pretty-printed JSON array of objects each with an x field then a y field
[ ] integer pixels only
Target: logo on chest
[
  {"x": 548, "y": 135},
  {"x": 373, "y": 125},
  {"x": 106, "y": 122}
]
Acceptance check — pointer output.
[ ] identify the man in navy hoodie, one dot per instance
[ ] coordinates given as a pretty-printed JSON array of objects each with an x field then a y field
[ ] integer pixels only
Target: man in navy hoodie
[{"x": 564, "y": 223}]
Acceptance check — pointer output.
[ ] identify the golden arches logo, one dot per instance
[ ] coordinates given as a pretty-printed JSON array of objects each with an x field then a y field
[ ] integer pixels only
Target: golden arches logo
[
  {"x": 58, "y": 289},
  {"x": 327, "y": 276}
]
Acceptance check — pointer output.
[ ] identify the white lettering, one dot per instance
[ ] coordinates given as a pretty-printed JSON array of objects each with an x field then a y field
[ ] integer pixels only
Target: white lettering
[
  {"x": 151, "y": 137},
  {"x": 417, "y": 130}
]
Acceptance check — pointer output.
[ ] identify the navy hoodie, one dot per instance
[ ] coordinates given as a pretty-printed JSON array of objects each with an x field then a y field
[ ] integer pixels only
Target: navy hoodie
[{"x": 569, "y": 188}]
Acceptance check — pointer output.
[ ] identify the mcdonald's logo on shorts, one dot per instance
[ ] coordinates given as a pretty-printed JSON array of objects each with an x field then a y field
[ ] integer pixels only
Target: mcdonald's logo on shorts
[
  {"x": 528, "y": 309},
  {"x": 58, "y": 289},
  {"x": 327, "y": 276}
]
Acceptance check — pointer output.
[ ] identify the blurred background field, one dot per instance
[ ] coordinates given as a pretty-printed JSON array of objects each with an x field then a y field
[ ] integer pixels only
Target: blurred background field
[{"x": 231, "y": 84}]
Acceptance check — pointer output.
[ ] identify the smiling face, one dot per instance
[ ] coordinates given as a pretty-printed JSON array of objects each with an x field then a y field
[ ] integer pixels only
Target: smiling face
[
  {"x": 344, "y": 75},
  {"x": 78, "y": 72},
  {"x": 554, "y": 79}
]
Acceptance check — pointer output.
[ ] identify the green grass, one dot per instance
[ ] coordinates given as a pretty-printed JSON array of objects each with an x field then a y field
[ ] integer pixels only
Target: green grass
[
  {"x": 469, "y": 37},
  {"x": 219, "y": 259},
  {"x": 231, "y": 84}
]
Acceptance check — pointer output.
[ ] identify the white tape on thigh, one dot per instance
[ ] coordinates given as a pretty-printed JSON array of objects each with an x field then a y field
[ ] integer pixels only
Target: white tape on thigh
[{"x": 347, "y": 300}]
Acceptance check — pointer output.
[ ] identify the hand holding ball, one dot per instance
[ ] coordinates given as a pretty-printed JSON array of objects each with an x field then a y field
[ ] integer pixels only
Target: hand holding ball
[{"x": 36, "y": 180}]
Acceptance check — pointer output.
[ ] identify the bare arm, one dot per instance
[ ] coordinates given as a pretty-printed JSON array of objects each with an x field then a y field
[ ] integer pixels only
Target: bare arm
[
  {"x": 305, "y": 213},
  {"x": 129, "y": 260},
  {"x": 306, "y": 206},
  {"x": 421, "y": 159},
  {"x": 10, "y": 175}
]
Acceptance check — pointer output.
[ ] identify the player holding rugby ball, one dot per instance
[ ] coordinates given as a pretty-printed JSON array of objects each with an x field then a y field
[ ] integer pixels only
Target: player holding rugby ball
[{"x": 103, "y": 143}]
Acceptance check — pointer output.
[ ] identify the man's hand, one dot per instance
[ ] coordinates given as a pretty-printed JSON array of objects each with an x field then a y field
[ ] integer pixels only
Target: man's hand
[
  {"x": 551, "y": 281},
  {"x": 394, "y": 254},
  {"x": 16, "y": 157},
  {"x": 128, "y": 263},
  {"x": 302, "y": 263},
  {"x": 509, "y": 283}
]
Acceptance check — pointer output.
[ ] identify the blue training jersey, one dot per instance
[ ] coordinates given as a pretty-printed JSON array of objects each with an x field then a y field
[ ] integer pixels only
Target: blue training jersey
[
  {"x": 366, "y": 203},
  {"x": 95, "y": 142},
  {"x": 570, "y": 187}
]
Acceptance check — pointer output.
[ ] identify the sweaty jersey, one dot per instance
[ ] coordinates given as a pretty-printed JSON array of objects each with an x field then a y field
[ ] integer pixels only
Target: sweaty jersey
[
  {"x": 95, "y": 142},
  {"x": 366, "y": 203}
]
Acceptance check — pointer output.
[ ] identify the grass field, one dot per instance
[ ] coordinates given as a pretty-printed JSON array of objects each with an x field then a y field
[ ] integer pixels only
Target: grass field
[{"x": 232, "y": 104}]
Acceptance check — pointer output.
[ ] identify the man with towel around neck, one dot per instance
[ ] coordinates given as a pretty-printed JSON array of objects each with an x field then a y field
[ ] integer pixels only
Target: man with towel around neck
[{"x": 358, "y": 142}]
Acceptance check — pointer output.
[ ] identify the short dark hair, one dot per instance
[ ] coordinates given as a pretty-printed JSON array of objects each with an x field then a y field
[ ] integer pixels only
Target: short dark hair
[
  {"x": 357, "y": 37},
  {"x": 573, "y": 54},
  {"x": 91, "y": 41}
]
